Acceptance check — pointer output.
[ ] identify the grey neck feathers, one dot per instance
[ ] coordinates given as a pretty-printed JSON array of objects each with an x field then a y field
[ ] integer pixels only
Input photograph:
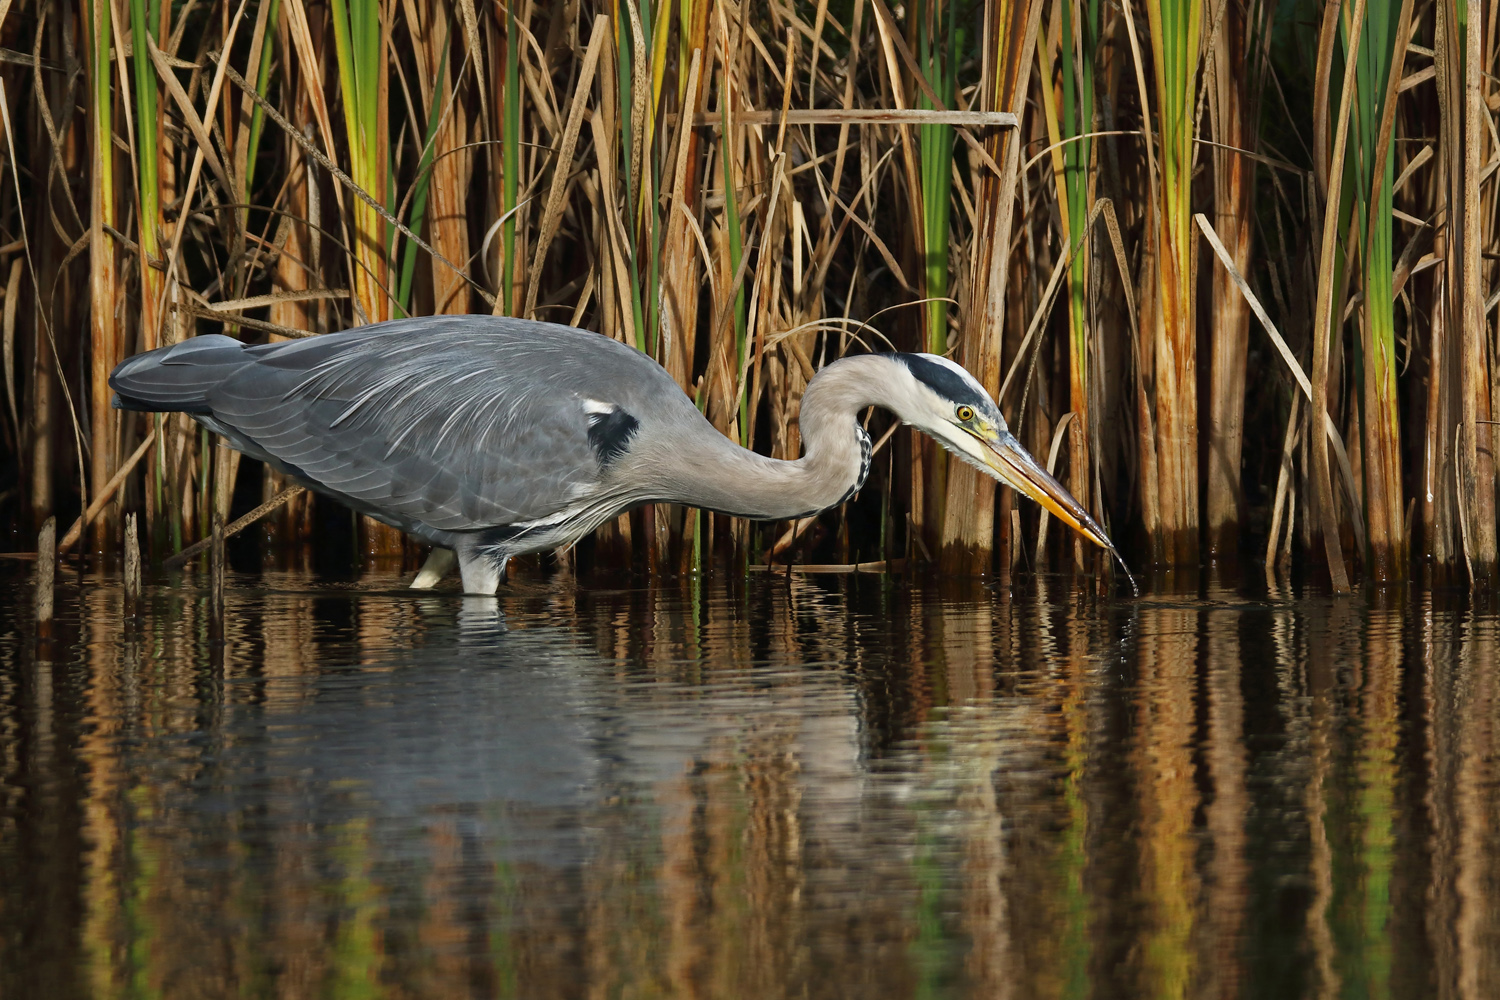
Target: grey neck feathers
[{"x": 712, "y": 472}]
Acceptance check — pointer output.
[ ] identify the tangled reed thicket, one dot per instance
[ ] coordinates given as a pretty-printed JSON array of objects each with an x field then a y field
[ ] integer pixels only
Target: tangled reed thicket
[{"x": 1146, "y": 226}]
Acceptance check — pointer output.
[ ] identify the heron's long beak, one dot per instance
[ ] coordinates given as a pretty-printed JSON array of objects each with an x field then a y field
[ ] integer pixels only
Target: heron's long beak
[{"x": 1015, "y": 466}]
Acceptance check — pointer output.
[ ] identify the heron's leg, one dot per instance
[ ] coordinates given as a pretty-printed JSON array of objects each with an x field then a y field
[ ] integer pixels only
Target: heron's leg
[
  {"x": 439, "y": 563},
  {"x": 482, "y": 572}
]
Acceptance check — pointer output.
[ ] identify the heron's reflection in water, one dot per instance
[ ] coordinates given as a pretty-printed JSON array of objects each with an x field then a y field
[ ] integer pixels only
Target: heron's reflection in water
[
  {"x": 480, "y": 620},
  {"x": 795, "y": 787}
]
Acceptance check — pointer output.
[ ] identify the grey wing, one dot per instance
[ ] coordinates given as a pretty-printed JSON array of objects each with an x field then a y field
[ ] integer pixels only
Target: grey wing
[{"x": 433, "y": 422}]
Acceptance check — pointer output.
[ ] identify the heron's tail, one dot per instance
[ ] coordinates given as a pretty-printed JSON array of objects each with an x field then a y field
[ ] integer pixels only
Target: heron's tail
[{"x": 179, "y": 377}]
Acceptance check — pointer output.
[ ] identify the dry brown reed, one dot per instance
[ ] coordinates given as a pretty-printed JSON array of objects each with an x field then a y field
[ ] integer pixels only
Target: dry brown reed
[{"x": 745, "y": 191}]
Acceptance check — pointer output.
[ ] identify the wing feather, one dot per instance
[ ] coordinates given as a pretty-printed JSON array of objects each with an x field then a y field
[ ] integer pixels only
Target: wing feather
[{"x": 460, "y": 423}]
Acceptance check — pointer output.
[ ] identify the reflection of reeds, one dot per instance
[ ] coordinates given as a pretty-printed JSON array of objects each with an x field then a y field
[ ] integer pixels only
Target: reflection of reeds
[
  {"x": 1226, "y": 894},
  {"x": 620, "y": 166},
  {"x": 983, "y": 801},
  {"x": 1170, "y": 880},
  {"x": 1368, "y": 967}
]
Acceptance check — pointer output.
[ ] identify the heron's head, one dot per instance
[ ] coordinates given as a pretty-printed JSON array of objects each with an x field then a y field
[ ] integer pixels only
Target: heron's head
[{"x": 943, "y": 400}]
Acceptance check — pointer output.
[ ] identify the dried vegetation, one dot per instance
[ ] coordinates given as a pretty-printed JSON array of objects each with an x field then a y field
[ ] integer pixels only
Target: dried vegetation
[{"x": 1145, "y": 226}]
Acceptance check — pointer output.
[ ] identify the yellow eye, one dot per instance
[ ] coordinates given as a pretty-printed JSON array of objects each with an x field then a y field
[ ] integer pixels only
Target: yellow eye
[{"x": 965, "y": 414}]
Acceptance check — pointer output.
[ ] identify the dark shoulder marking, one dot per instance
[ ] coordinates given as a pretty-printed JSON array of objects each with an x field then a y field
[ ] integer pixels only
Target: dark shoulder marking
[
  {"x": 610, "y": 434},
  {"x": 943, "y": 381},
  {"x": 864, "y": 464}
]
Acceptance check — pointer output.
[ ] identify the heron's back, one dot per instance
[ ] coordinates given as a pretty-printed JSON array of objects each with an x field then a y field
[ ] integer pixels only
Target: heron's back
[{"x": 440, "y": 424}]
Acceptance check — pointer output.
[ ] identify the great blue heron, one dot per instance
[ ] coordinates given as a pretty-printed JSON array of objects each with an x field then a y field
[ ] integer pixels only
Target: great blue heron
[{"x": 490, "y": 437}]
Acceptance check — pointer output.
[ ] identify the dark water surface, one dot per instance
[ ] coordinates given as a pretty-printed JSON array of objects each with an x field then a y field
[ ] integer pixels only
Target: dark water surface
[{"x": 815, "y": 787}]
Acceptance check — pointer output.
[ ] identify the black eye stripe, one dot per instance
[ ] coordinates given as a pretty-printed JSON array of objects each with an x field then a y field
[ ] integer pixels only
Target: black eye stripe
[{"x": 945, "y": 382}]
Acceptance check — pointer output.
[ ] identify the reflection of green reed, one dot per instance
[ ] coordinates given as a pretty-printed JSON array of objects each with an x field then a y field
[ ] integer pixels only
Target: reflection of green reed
[
  {"x": 1364, "y": 855},
  {"x": 741, "y": 870},
  {"x": 1073, "y": 858},
  {"x": 141, "y": 932},
  {"x": 1169, "y": 952},
  {"x": 355, "y": 959},
  {"x": 101, "y": 893},
  {"x": 504, "y": 900},
  {"x": 626, "y": 927},
  {"x": 1377, "y": 802},
  {"x": 929, "y": 949}
]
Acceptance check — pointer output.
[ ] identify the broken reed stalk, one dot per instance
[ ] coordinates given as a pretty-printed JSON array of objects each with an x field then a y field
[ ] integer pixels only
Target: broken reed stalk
[
  {"x": 880, "y": 566},
  {"x": 132, "y": 576},
  {"x": 238, "y": 525},
  {"x": 216, "y": 571},
  {"x": 46, "y": 569},
  {"x": 105, "y": 494}
]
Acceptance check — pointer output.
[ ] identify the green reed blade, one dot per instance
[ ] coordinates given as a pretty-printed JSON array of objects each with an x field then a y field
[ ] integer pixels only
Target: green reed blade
[
  {"x": 348, "y": 86},
  {"x": 357, "y": 43},
  {"x": 142, "y": 22},
  {"x": 654, "y": 24},
  {"x": 936, "y": 168},
  {"x": 262, "y": 83},
  {"x": 736, "y": 251},
  {"x": 1077, "y": 63},
  {"x": 103, "y": 98},
  {"x": 422, "y": 186},
  {"x": 1369, "y": 180}
]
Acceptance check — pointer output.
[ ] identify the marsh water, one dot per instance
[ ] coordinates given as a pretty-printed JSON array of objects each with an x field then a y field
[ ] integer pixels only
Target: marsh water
[{"x": 786, "y": 786}]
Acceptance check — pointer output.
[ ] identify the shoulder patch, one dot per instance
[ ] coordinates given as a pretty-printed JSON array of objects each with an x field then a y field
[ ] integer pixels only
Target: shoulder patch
[
  {"x": 610, "y": 433},
  {"x": 864, "y": 464},
  {"x": 946, "y": 379}
]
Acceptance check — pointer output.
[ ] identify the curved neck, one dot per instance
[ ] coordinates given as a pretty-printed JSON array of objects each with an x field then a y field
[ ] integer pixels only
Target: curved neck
[{"x": 717, "y": 474}]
